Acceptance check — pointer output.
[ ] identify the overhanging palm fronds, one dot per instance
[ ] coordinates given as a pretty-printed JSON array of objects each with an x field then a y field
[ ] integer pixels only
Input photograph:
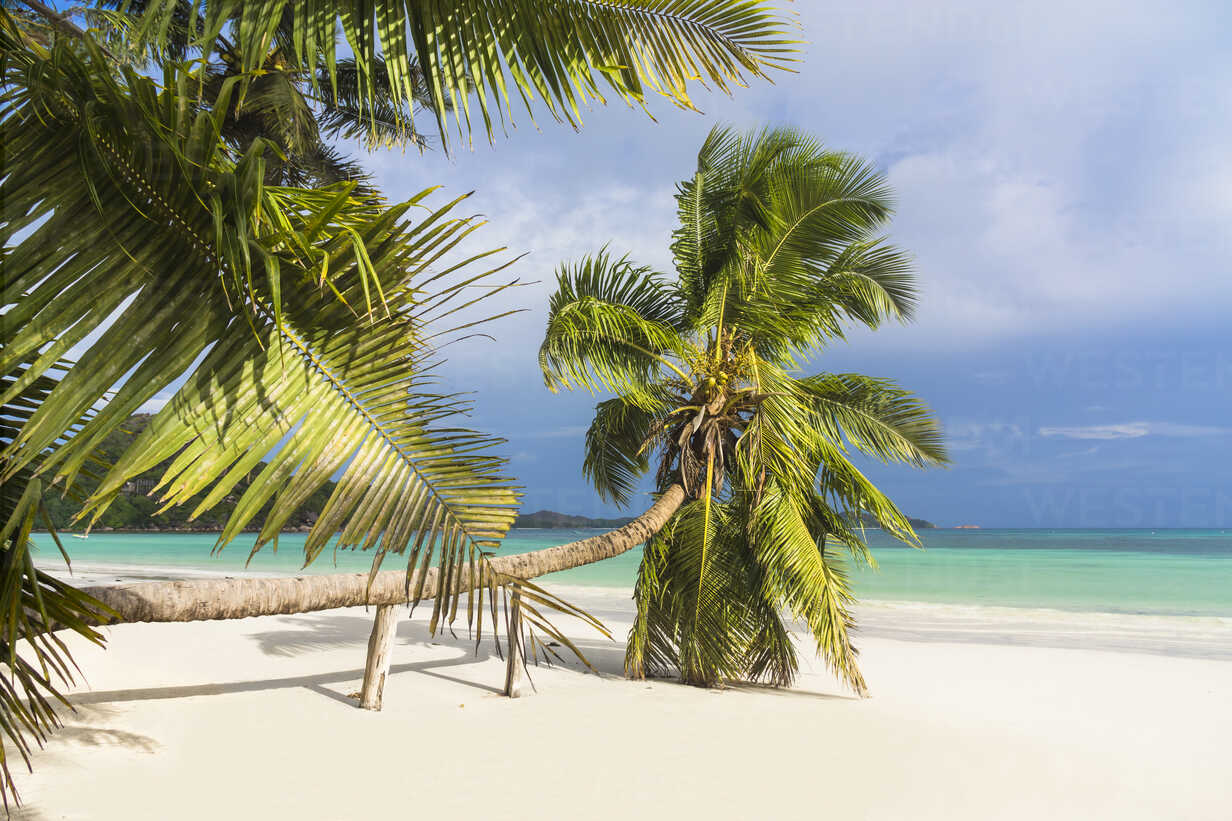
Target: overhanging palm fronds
[
  {"x": 365, "y": 106},
  {"x": 610, "y": 325},
  {"x": 776, "y": 253},
  {"x": 295, "y": 328},
  {"x": 561, "y": 54},
  {"x": 281, "y": 101},
  {"x": 33, "y": 603},
  {"x": 271, "y": 300}
]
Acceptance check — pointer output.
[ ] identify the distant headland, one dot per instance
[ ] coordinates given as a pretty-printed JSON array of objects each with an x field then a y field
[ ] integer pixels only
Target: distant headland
[
  {"x": 867, "y": 520},
  {"x": 552, "y": 519}
]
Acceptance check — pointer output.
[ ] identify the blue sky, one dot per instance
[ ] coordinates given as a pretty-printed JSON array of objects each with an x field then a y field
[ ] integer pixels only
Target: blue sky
[{"x": 1063, "y": 180}]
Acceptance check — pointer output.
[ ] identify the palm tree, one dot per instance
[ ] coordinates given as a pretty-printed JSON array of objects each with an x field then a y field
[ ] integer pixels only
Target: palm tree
[
  {"x": 300, "y": 324},
  {"x": 777, "y": 252}
]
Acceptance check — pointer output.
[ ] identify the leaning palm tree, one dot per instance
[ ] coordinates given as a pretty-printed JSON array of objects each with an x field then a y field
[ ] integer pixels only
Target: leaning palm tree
[{"x": 777, "y": 251}]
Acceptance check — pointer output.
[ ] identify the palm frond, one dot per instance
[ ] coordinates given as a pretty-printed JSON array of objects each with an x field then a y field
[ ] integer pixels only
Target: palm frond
[
  {"x": 700, "y": 245},
  {"x": 610, "y": 325},
  {"x": 702, "y": 608},
  {"x": 803, "y": 452},
  {"x": 33, "y": 604},
  {"x": 382, "y": 120},
  {"x": 871, "y": 282},
  {"x": 616, "y": 452},
  {"x": 323, "y": 165},
  {"x": 116, "y": 24},
  {"x": 876, "y": 417},
  {"x": 650, "y": 649},
  {"x": 560, "y": 54},
  {"x": 810, "y": 582},
  {"x": 272, "y": 107}
]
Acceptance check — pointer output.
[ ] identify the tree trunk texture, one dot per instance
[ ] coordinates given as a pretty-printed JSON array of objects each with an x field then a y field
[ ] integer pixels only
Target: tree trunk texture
[
  {"x": 380, "y": 653},
  {"x": 213, "y": 599}
]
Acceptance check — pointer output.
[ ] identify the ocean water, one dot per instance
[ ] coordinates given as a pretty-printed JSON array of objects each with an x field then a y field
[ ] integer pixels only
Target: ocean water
[{"x": 1165, "y": 572}]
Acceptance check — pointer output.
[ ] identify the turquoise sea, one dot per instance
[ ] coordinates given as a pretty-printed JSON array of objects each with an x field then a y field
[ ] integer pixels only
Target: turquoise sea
[{"x": 1165, "y": 572}]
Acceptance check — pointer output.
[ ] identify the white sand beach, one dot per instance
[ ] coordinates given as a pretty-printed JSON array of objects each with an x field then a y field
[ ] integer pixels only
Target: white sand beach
[{"x": 975, "y": 713}]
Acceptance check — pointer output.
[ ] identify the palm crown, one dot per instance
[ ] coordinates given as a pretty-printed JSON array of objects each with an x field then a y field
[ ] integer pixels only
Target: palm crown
[{"x": 777, "y": 251}]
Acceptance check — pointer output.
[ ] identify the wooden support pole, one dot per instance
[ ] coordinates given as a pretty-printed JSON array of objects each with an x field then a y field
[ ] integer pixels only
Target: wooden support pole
[{"x": 380, "y": 652}]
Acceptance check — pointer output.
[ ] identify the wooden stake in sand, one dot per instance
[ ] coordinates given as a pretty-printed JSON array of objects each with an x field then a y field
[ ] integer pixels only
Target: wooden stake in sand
[{"x": 380, "y": 652}]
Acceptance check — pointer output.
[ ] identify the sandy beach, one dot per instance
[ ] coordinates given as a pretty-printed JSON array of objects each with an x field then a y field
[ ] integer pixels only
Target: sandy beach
[{"x": 975, "y": 713}]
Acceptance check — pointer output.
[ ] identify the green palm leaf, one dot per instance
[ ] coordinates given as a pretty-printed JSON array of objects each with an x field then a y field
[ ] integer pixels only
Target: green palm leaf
[
  {"x": 810, "y": 583},
  {"x": 481, "y": 54},
  {"x": 382, "y": 120},
  {"x": 616, "y": 452},
  {"x": 610, "y": 325},
  {"x": 33, "y": 603},
  {"x": 877, "y": 417}
]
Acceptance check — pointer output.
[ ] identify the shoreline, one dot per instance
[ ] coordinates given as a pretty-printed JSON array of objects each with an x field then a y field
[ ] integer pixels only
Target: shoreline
[{"x": 1188, "y": 636}]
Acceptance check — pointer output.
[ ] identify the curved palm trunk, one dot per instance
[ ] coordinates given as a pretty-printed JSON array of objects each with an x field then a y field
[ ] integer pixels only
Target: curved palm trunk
[{"x": 212, "y": 599}]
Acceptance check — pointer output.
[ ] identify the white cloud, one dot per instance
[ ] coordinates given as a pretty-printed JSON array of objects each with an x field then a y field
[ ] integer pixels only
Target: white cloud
[
  {"x": 1133, "y": 430},
  {"x": 567, "y": 432},
  {"x": 961, "y": 435},
  {"x": 157, "y": 403},
  {"x": 1128, "y": 430},
  {"x": 1056, "y": 167},
  {"x": 1073, "y": 161}
]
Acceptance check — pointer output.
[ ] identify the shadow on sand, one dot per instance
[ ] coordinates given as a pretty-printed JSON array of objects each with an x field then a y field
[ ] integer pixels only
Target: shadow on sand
[
  {"x": 312, "y": 633},
  {"x": 307, "y": 634},
  {"x": 315, "y": 682}
]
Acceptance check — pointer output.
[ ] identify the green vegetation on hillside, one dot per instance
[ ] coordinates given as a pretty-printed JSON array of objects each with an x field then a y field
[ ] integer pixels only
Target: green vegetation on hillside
[
  {"x": 866, "y": 520},
  {"x": 552, "y": 519}
]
